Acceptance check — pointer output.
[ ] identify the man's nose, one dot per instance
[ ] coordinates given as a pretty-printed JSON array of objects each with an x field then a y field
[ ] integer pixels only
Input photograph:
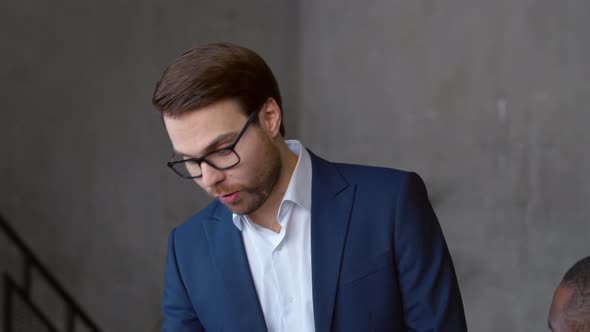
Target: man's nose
[{"x": 211, "y": 176}]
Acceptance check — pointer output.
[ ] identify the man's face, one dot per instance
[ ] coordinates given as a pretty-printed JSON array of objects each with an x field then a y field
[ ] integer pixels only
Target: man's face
[
  {"x": 245, "y": 187},
  {"x": 557, "y": 314}
]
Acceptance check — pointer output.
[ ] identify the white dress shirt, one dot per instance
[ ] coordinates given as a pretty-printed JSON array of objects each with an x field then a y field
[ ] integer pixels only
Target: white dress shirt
[{"x": 280, "y": 263}]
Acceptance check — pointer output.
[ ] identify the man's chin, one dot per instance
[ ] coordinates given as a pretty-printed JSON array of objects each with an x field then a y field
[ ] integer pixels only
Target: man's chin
[
  {"x": 235, "y": 207},
  {"x": 240, "y": 208}
]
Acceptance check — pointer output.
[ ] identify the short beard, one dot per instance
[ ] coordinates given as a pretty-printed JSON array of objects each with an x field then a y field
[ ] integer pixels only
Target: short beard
[{"x": 268, "y": 178}]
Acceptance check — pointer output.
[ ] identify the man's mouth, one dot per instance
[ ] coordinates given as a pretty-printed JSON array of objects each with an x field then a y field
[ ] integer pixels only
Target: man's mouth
[{"x": 229, "y": 198}]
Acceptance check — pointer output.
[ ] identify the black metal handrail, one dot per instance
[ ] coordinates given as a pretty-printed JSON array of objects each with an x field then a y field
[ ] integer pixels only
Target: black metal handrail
[
  {"x": 32, "y": 262},
  {"x": 10, "y": 289}
]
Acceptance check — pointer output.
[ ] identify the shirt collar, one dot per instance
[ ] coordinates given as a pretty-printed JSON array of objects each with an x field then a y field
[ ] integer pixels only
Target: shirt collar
[{"x": 299, "y": 188}]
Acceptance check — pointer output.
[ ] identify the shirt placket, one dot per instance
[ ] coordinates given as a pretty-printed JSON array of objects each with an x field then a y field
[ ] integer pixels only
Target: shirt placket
[{"x": 282, "y": 263}]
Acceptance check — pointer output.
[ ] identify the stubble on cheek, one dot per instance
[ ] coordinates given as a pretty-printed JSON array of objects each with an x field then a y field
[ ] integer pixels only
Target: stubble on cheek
[{"x": 264, "y": 181}]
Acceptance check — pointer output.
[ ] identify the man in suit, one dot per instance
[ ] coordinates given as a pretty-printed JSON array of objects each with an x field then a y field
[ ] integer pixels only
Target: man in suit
[
  {"x": 570, "y": 308},
  {"x": 291, "y": 242}
]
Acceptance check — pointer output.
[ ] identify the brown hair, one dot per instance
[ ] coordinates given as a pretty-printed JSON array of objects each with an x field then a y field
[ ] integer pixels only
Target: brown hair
[{"x": 214, "y": 72}]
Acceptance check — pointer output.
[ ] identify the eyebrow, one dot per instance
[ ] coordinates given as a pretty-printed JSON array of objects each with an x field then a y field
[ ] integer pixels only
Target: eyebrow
[{"x": 216, "y": 141}]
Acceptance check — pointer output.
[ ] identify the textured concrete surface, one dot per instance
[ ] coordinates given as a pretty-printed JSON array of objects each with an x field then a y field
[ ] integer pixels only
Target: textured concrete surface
[{"x": 488, "y": 101}]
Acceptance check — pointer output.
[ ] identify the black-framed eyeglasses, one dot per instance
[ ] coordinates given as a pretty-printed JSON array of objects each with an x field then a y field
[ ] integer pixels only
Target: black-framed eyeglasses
[{"x": 220, "y": 159}]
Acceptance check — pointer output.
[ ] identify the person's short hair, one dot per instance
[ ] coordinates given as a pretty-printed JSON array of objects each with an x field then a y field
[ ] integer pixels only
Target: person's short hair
[
  {"x": 577, "y": 278},
  {"x": 209, "y": 73}
]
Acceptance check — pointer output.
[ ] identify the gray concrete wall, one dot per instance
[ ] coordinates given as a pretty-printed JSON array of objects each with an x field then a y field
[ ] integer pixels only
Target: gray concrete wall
[{"x": 488, "y": 101}]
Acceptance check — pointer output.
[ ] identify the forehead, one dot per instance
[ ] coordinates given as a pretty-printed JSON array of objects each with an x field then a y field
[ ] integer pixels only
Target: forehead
[{"x": 193, "y": 131}]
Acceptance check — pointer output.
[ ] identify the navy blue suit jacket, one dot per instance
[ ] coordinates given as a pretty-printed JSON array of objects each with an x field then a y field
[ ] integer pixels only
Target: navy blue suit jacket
[{"x": 379, "y": 261}]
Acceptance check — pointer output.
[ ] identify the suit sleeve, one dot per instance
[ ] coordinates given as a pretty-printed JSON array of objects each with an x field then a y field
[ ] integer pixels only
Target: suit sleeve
[
  {"x": 429, "y": 287},
  {"x": 179, "y": 315}
]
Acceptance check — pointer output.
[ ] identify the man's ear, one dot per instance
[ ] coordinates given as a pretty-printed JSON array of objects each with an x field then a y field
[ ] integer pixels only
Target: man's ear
[{"x": 270, "y": 118}]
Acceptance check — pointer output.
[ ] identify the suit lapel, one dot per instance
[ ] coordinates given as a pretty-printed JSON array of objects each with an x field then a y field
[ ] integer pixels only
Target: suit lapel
[
  {"x": 229, "y": 257},
  {"x": 332, "y": 200}
]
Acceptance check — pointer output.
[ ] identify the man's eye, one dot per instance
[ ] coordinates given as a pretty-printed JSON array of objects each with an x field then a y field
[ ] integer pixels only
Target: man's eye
[
  {"x": 224, "y": 152},
  {"x": 188, "y": 159}
]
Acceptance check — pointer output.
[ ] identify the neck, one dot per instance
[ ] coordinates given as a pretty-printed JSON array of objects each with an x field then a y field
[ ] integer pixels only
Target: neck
[{"x": 266, "y": 215}]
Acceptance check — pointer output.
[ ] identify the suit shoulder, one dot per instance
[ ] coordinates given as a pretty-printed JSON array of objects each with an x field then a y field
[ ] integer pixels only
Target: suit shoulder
[{"x": 374, "y": 174}]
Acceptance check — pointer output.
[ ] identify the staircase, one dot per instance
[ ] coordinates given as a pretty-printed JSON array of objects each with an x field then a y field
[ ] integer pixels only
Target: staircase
[{"x": 21, "y": 310}]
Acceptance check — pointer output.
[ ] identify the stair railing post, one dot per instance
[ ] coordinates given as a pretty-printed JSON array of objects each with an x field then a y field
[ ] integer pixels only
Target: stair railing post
[
  {"x": 28, "y": 276},
  {"x": 7, "y": 305}
]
